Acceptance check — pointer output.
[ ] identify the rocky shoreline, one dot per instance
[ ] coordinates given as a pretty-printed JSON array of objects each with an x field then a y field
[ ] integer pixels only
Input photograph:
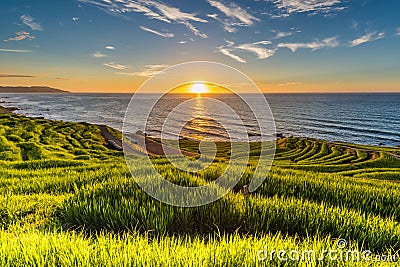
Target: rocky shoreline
[{"x": 4, "y": 110}]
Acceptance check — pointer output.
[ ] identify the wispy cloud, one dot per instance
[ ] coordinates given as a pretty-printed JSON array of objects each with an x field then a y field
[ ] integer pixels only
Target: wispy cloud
[
  {"x": 14, "y": 50},
  {"x": 228, "y": 25},
  {"x": 213, "y": 16},
  {"x": 173, "y": 13},
  {"x": 121, "y": 6},
  {"x": 16, "y": 76},
  {"x": 153, "y": 10},
  {"x": 110, "y": 47},
  {"x": 316, "y": 45},
  {"x": 369, "y": 37},
  {"x": 30, "y": 22},
  {"x": 115, "y": 65},
  {"x": 283, "y": 34},
  {"x": 311, "y": 6},
  {"x": 98, "y": 55},
  {"x": 354, "y": 25},
  {"x": 234, "y": 11},
  {"x": 236, "y": 16},
  {"x": 194, "y": 30},
  {"x": 162, "y": 34},
  {"x": 259, "y": 51},
  {"x": 146, "y": 71},
  {"x": 228, "y": 52},
  {"x": 256, "y": 48},
  {"x": 288, "y": 83},
  {"x": 265, "y": 42},
  {"x": 19, "y": 36},
  {"x": 397, "y": 32}
]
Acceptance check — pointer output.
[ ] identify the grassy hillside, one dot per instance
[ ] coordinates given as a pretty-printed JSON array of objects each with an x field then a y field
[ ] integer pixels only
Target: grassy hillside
[
  {"x": 67, "y": 199},
  {"x": 29, "y": 89}
]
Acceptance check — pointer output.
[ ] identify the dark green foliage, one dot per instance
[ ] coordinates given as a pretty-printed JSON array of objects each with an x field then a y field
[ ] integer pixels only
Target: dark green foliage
[
  {"x": 66, "y": 199},
  {"x": 31, "y": 151}
]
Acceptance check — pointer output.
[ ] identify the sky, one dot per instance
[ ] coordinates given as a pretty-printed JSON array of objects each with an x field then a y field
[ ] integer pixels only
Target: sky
[{"x": 283, "y": 45}]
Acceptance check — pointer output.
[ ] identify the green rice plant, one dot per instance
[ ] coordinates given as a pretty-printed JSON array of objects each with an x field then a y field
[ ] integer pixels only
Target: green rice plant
[
  {"x": 395, "y": 175},
  {"x": 31, "y": 151},
  {"x": 295, "y": 216},
  {"x": 79, "y": 204},
  {"x": 51, "y": 248},
  {"x": 43, "y": 164},
  {"x": 346, "y": 158},
  {"x": 297, "y": 154},
  {"x": 336, "y": 152},
  {"x": 9, "y": 156},
  {"x": 130, "y": 209},
  {"x": 361, "y": 156},
  {"x": 324, "y": 151},
  {"x": 369, "y": 197},
  {"x": 29, "y": 210},
  {"x": 367, "y": 170},
  {"x": 384, "y": 161},
  {"x": 293, "y": 144},
  {"x": 15, "y": 138},
  {"x": 312, "y": 152}
]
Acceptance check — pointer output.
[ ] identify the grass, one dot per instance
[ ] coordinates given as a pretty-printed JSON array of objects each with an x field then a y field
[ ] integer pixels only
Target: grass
[
  {"x": 38, "y": 248},
  {"x": 66, "y": 200}
]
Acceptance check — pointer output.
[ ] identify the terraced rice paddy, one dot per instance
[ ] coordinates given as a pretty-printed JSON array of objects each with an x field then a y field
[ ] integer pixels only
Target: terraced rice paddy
[{"x": 67, "y": 199}]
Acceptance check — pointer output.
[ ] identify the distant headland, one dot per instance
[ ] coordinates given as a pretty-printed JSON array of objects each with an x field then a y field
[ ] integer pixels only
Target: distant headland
[{"x": 30, "y": 89}]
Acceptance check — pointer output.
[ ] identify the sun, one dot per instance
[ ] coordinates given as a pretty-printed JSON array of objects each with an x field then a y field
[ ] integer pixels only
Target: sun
[{"x": 198, "y": 88}]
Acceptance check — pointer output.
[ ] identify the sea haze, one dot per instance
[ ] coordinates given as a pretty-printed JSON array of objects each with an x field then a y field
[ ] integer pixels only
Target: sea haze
[{"x": 363, "y": 118}]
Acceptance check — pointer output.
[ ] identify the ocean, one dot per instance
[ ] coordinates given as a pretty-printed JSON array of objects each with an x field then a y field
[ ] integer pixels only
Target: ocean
[{"x": 362, "y": 118}]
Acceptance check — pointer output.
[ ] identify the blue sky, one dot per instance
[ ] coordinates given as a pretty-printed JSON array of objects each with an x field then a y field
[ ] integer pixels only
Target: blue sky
[{"x": 284, "y": 45}]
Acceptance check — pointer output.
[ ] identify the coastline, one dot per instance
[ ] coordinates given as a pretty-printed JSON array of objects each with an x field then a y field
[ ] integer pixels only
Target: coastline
[
  {"x": 4, "y": 110},
  {"x": 374, "y": 151},
  {"x": 9, "y": 105}
]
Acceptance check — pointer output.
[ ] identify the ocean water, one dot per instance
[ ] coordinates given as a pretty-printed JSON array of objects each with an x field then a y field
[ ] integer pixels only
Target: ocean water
[{"x": 357, "y": 118}]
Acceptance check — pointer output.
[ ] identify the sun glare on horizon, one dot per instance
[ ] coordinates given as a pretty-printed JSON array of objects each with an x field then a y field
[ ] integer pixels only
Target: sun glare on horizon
[{"x": 198, "y": 88}]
